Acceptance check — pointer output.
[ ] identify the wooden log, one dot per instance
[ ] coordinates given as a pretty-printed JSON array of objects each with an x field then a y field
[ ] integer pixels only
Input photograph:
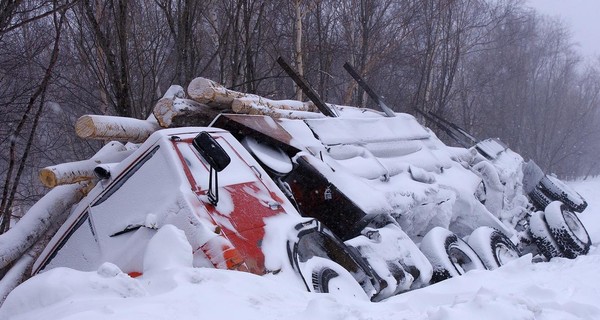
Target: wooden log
[
  {"x": 114, "y": 128},
  {"x": 183, "y": 112},
  {"x": 277, "y": 113},
  {"x": 54, "y": 207},
  {"x": 213, "y": 94},
  {"x": 72, "y": 172},
  {"x": 246, "y": 104},
  {"x": 21, "y": 268},
  {"x": 16, "y": 274},
  {"x": 174, "y": 91}
]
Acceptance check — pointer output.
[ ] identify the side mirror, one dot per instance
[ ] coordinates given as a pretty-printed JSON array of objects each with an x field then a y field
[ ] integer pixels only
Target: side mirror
[{"x": 211, "y": 151}]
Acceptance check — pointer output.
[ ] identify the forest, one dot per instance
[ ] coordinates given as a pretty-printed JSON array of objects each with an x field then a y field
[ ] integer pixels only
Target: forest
[{"x": 495, "y": 67}]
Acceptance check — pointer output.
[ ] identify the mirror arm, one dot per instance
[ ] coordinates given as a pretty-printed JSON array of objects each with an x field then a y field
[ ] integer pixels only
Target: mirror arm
[{"x": 213, "y": 194}]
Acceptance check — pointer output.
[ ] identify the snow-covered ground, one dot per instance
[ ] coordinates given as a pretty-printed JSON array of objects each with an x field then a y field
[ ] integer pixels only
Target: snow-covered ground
[{"x": 559, "y": 289}]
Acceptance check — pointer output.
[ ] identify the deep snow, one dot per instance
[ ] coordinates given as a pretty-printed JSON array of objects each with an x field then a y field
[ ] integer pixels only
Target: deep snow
[{"x": 170, "y": 289}]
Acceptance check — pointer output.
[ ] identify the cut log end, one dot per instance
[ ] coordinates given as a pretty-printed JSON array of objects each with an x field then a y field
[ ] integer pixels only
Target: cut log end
[
  {"x": 202, "y": 90},
  {"x": 48, "y": 178},
  {"x": 163, "y": 112},
  {"x": 84, "y": 127}
]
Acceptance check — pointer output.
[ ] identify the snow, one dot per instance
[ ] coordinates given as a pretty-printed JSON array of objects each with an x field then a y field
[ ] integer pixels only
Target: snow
[
  {"x": 559, "y": 289},
  {"x": 46, "y": 212},
  {"x": 274, "y": 159},
  {"x": 394, "y": 167}
]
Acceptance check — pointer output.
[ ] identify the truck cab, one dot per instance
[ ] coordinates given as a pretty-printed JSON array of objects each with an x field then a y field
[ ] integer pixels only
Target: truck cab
[{"x": 202, "y": 181}]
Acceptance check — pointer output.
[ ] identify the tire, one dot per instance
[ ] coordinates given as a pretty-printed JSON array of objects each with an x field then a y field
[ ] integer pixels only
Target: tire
[
  {"x": 314, "y": 247},
  {"x": 493, "y": 247},
  {"x": 539, "y": 199},
  {"x": 329, "y": 277},
  {"x": 559, "y": 191},
  {"x": 449, "y": 255},
  {"x": 541, "y": 235},
  {"x": 567, "y": 230}
]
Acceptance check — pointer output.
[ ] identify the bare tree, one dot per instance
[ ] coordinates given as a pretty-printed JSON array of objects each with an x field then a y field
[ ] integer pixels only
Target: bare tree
[{"x": 32, "y": 114}]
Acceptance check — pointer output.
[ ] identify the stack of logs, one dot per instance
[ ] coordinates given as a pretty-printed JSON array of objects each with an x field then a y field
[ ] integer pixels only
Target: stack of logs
[{"x": 204, "y": 100}]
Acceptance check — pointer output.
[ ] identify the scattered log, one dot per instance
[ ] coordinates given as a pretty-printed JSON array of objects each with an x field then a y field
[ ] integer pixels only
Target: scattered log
[
  {"x": 72, "y": 172},
  {"x": 179, "y": 112},
  {"x": 21, "y": 269},
  {"x": 51, "y": 209},
  {"x": 16, "y": 274},
  {"x": 114, "y": 128},
  {"x": 213, "y": 94}
]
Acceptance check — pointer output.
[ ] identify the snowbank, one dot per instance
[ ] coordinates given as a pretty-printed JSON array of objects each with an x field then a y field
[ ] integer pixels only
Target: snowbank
[{"x": 559, "y": 289}]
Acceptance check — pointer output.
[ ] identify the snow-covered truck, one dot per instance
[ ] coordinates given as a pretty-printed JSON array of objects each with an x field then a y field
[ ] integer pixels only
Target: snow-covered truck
[
  {"x": 382, "y": 197},
  {"x": 202, "y": 181}
]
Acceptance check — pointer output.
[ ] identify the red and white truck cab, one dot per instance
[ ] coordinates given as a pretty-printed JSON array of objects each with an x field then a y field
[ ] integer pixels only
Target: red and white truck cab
[{"x": 204, "y": 182}]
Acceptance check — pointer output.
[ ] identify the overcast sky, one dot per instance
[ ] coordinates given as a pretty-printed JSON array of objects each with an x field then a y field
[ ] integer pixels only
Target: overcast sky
[{"x": 583, "y": 16}]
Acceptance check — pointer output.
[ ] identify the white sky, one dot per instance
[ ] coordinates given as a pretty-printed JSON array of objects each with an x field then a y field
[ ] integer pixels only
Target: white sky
[{"x": 583, "y": 17}]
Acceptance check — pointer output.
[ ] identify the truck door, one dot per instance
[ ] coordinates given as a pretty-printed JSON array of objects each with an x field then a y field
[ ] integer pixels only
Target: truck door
[{"x": 244, "y": 199}]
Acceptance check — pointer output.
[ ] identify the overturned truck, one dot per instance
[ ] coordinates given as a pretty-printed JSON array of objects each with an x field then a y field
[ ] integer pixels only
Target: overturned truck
[{"x": 345, "y": 200}]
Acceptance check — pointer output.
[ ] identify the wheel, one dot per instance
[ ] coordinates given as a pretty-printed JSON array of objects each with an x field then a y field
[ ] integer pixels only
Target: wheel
[
  {"x": 539, "y": 199},
  {"x": 541, "y": 235},
  {"x": 568, "y": 231},
  {"x": 558, "y": 190},
  {"x": 315, "y": 250},
  {"x": 449, "y": 255},
  {"x": 329, "y": 277},
  {"x": 493, "y": 247}
]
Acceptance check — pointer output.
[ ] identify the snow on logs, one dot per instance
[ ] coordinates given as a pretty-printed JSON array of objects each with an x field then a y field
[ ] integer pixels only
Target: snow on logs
[
  {"x": 51, "y": 209},
  {"x": 205, "y": 100},
  {"x": 213, "y": 94},
  {"x": 180, "y": 112},
  {"x": 72, "y": 172},
  {"x": 208, "y": 98}
]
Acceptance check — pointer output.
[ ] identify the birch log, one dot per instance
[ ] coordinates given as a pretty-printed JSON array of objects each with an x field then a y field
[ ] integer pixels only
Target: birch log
[
  {"x": 213, "y": 94},
  {"x": 276, "y": 113},
  {"x": 179, "y": 112},
  {"x": 114, "y": 128},
  {"x": 72, "y": 172},
  {"x": 21, "y": 269},
  {"x": 246, "y": 104},
  {"x": 54, "y": 207},
  {"x": 16, "y": 275}
]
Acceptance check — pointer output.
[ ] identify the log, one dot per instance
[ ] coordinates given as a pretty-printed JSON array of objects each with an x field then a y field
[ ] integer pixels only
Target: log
[
  {"x": 213, "y": 94},
  {"x": 246, "y": 104},
  {"x": 21, "y": 269},
  {"x": 51, "y": 209},
  {"x": 174, "y": 91},
  {"x": 180, "y": 112},
  {"x": 16, "y": 274},
  {"x": 114, "y": 128},
  {"x": 72, "y": 172},
  {"x": 277, "y": 113}
]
